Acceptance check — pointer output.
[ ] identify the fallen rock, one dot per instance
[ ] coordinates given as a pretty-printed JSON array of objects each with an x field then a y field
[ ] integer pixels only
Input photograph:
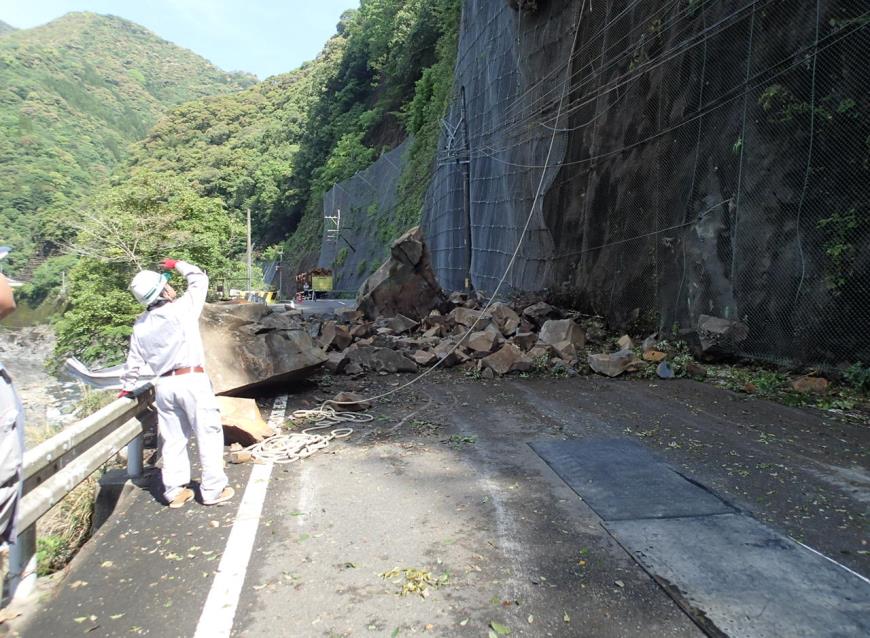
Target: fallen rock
[
  {"x": 336, "y": 362},
  {"x": 353, "y": 369},
  {"x": 467, "y": 317},
  {"x": 649, "y": 343},
  {"x": 665, "y": 371},
  {"x": 695, "y": 370},
  {"x": 612, "y": 364},
  {"x": 448, "y": 354},
  {"x": 348, "y": 315},
  {"x": 505, "y": 318},
  {"x": 558, "y": 330},
  {"x": 525, "y": 340},
  {"x": 361, "y": 330},
  {"x": 404, "y": 284},
  {"x": 483, "y": 341},
  {"x": 718, "y": 337},
  {"x": 625, "y": 343},
  {"x": 334, "y": 336},
  {"x": 540, "y": 352},
  {"x": 240, "y": 456},
  {"x": 401, "y": 324},
  {"x": 424, "y": 358},
  {"x": 242, "y": 354},
  {"x": 810, "y": 385},
  {"x": 242, "y": 421},
  {"x": 508, "y": 359},
  {"x": 540, "y": 312},
  {"x": 381, "y": 360},
  {"x": 565, "y": 350},
  {"x": 654, "y": 356},
  {"x": 349, "y": 402}
]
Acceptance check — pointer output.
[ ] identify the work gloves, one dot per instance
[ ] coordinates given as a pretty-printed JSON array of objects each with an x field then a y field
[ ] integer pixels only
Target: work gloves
[
  {"x": 123, "y": 393},
  {"x": 169, "y": 264}
]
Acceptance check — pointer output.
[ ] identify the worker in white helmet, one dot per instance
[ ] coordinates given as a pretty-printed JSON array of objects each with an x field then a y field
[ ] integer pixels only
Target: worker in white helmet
[{"x": 167, "y": 338}]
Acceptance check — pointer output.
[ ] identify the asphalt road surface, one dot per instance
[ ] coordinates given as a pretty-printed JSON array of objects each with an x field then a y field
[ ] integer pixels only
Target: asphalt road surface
[{"x": 443, "y": 490}]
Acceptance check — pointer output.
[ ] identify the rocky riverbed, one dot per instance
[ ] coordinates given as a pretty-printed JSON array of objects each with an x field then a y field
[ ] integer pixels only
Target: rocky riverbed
[{"x": 48, "y": 401}]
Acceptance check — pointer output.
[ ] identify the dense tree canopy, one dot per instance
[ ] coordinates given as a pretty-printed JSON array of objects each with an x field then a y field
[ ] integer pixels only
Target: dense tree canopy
[{"x": 74, "y": 94}]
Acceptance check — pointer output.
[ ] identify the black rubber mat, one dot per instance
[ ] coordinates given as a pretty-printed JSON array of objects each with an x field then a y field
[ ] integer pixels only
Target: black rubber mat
[{"x": 620, "y": 479}]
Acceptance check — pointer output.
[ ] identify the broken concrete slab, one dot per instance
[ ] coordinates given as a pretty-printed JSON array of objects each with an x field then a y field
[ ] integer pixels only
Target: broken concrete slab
[
  {"x": 404, "y": 284},
  {"x": 242, "y": 355},
  {"x": 242, "y": 421}
]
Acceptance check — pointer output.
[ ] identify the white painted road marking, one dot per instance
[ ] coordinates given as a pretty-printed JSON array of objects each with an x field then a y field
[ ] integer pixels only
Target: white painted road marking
[{"x": 219, "y": 612}]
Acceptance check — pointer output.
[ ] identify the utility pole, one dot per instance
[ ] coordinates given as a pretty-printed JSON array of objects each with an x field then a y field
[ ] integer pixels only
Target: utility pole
[
  {"x": 465, "y": 162},
  {"x": 250, "y": 268}
]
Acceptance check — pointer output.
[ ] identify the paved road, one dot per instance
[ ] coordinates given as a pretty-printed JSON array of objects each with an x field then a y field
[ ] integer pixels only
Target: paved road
[{"x": 444, "y": 482}]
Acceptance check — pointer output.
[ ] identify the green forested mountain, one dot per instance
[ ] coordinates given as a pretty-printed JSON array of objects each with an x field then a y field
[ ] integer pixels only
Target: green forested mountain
[
  {"x": 74, "y": 94},
  {"x": 5, "y": 28},
  {"x": 274, "y": 148}
]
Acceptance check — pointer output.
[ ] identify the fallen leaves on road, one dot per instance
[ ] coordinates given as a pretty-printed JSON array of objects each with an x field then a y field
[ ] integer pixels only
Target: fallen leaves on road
[
  {"x": 497, "y": 629},
  {"x": 414, "y": 581}
]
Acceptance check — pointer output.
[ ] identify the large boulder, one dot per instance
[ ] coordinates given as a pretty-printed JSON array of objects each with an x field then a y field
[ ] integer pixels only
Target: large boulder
[
  {"x": 405, "y": 284},
  {"x": 245, "y": 349},
  {"x": 557, "y": 330},
  {"x": 719, "y": 338},
  {"x": 508, "y": 359}
]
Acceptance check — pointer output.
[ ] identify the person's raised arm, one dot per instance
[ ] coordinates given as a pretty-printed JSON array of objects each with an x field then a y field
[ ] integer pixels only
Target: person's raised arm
[
  {"x": 7, "y": 301},
  {"x": 197, "y": 285}
]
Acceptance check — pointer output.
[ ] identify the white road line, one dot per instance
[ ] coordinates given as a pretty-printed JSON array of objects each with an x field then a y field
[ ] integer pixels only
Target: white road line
[
  {"x": 828, "y": 558},
  {"x": 219, "y": 612}
]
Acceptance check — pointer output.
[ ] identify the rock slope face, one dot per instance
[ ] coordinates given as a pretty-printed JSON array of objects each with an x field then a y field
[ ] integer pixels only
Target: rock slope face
[{"x": 704, "y": 157}]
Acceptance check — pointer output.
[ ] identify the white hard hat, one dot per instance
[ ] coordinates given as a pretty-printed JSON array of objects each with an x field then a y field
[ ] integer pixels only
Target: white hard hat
[{"x": 147, "y": 286}]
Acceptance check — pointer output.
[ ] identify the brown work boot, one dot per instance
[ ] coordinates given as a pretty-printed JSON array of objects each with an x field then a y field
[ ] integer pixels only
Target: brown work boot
[
  {"x": 181, "y": 498},
  {"x": 226, "y": 494}
]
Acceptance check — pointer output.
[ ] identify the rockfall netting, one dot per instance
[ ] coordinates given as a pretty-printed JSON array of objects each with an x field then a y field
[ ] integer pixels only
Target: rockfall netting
[
  {"x": 359, "y": 221},
  {"x": 672, "y": 159}
]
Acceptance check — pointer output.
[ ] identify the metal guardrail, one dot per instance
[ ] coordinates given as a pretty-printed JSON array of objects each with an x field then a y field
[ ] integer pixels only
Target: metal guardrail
[{"x": 55, "y": 467}]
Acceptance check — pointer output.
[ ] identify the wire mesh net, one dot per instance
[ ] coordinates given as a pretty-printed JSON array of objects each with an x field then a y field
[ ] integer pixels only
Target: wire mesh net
[
  {"x": 672, "y": 160},
  {"x": 652, "y": 163}
]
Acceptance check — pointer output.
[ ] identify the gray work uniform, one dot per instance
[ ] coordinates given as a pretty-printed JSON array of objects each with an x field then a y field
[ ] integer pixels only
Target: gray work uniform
[{"x": 167, "y": 338}]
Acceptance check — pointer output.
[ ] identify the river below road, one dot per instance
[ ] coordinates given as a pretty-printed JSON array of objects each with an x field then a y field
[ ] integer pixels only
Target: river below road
[{"x": 49, "y": 401}]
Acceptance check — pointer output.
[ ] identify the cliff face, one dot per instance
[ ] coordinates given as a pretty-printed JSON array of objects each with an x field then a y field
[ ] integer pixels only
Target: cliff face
[{"x": 703, "y": 157}]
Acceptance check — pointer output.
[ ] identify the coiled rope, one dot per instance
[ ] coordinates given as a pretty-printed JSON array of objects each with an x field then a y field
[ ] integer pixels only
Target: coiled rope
[{"x": 294, "y": 446}]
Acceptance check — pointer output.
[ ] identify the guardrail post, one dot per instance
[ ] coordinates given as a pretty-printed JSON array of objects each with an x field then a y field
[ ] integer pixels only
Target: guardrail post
[
  {"x": 22, "y": 565},
  {"x": 134, "y": 456}
]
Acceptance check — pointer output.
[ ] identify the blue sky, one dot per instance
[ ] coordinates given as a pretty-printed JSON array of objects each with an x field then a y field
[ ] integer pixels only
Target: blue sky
[{"x": 264, "y": 37}]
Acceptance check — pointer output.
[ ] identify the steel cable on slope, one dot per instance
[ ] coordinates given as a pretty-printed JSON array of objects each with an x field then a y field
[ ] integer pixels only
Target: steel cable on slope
[{"x": 430, "y": 370}]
